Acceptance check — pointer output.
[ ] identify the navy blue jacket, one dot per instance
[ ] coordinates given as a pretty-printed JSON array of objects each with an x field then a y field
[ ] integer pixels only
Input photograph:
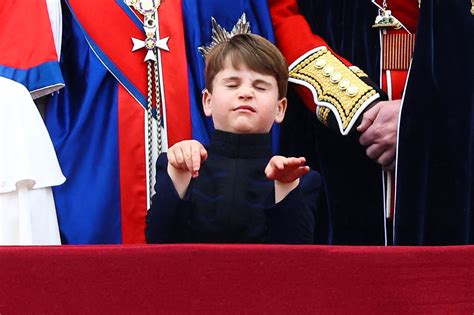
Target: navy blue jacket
[{"x": 231, "y": 201}]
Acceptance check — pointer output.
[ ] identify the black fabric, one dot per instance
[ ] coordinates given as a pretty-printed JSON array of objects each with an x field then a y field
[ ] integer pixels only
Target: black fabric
[
  {"x": 346, "y": 25},
  {"x": 231, "y": 201},
  {"x": 436, "y": 142},
  {"x": 352, "y": 211}
]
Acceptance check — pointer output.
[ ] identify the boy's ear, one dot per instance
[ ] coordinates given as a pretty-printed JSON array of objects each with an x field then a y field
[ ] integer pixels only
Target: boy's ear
[
  {"x": 206, "y": 102},
  {"x": 281, "y": 109}
]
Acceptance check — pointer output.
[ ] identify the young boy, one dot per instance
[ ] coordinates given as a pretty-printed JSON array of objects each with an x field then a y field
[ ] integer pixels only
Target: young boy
[{"x": 234, "y": 191}]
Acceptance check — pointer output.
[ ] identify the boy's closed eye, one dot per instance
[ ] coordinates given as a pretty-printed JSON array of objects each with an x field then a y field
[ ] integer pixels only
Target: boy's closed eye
[
  {"x": 231, "y": 82},
  {"x": 261, "y": 85}
]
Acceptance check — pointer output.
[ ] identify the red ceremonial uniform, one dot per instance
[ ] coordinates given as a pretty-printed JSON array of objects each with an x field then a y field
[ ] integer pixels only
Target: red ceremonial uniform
[{"x": 296, "y": 38}]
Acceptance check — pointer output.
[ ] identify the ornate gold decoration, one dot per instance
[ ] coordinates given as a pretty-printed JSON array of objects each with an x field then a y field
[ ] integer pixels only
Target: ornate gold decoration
[
  {"x": 220, "y": 35},
  {"x": 149, "y": 10},
  {"x": 152, "y": 42},
  {"x": 359, "y": 72},
  {"x": 323, "y": 114},
  {"x": 385, "y": 19},
  {"x": 334, "y": 85},
  {"x": 472, "y": 7}
]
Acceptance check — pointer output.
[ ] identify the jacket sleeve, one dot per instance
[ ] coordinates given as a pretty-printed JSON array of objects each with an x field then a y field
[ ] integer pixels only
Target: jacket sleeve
[
  {"x": 162, "y": 220},
  {"x": 329, "y": 85},
  {"x": 291, "y": 221}
]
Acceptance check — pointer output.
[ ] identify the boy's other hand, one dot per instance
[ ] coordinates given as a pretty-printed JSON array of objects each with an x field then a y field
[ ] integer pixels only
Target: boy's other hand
[
  {"x": 187, "y": 156},
  {"x": 286, "y": 170}
]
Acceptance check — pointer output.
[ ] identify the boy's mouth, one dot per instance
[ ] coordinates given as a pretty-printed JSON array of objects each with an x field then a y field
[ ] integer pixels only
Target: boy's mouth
[{"x": 245, "y": 108}]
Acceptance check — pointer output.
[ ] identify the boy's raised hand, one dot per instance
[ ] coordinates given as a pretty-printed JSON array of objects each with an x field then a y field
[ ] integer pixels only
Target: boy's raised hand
[
  {"x": 286, "y": 169},
  {"x": 187, "y": 156}
]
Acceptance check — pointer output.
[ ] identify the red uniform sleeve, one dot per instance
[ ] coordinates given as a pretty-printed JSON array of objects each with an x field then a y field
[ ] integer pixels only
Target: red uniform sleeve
[
  {"x": 336, "y": 91},
  {"x": 293, "y": 34}
]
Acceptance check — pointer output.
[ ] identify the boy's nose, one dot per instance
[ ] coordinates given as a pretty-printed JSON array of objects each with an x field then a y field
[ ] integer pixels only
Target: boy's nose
[{"x": 245, "y": 94}]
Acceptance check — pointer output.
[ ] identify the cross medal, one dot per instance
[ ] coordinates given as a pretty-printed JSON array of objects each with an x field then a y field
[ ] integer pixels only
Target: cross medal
[{"x": 152, "y": 42}]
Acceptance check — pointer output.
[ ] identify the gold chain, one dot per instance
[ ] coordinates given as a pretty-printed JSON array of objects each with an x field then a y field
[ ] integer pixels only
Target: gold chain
[
  {"x": 149, "y": 10},
  {"x": 153, "y": 84},
  {"x": 158, "y": 107},
  {"x": 149, "y": 115}
]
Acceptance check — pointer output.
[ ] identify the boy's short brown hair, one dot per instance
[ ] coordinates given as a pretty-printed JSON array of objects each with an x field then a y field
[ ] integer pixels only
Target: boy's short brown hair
[{"x": 255, "y": 52}]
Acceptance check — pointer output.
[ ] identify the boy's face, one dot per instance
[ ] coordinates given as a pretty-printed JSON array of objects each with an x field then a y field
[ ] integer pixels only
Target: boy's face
[{"x": 243, "y": 101}]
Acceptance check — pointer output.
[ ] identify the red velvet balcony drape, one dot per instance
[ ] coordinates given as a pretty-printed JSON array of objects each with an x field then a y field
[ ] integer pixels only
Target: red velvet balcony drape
[{"x": 236, "y": 279}]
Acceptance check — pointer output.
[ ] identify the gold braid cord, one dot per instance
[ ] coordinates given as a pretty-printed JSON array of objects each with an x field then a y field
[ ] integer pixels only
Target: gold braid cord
[
  {"x": 152, "y": 43},
  {"x": 337, "y": 89}
]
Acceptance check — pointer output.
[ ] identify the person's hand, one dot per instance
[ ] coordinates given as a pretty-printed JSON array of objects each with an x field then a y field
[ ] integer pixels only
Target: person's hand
[
  {"x": 187, "y": 156},
  {"x": 286, "y": 170},
  {"x": 379, "y": 132}
]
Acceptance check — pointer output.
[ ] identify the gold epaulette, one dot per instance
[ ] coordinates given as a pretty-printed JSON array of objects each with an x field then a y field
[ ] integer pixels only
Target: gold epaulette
[{"x": 334, "y": 86}]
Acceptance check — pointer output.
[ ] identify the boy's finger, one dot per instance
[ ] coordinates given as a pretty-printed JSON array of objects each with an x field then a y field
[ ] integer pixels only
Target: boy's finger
[
  {"x": 188, "y": 158},
  {"x": 171, "y": 158},
  {"x": 270, "y": 172},
  {"x": 176, "y": 159},
  {"x": 295, "y": 161},
  {"x": 271, "y": 164},
  {"x": 195, "y": 159},
  {"x": 300, "y": 171},
  {"x": 301, "y": 160},
  {"x": 304, "y": 170},
  {"x": 203, "y": 153},
  {"x": 178, "y": 153},
  {"x": 270, "y": 169},
  {"x": 280, "y": 164}
]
